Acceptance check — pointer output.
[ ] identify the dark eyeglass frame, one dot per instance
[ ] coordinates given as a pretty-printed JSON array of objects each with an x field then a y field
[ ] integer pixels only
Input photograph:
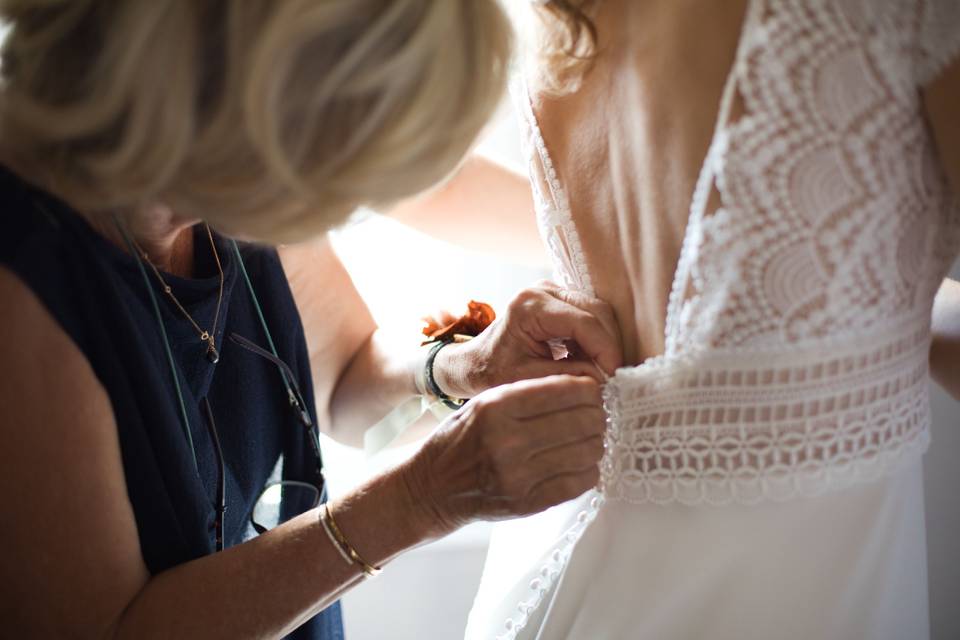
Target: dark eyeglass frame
[{"x": 309, "y": 429}]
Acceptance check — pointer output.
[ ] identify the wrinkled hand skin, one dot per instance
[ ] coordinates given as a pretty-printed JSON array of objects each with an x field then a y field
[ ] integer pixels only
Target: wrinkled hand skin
[
  {"x": 515, "y": 347},
  {"x": 514, "y": 450}
]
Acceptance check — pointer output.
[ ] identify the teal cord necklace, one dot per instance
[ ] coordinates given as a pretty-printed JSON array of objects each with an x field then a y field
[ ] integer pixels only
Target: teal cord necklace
[
  {"x": 294, "y": 398},
  {"x": 166, "y": 341}
]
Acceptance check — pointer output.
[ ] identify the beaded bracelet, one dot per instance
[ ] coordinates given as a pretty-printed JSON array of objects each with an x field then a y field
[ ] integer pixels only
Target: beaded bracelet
[
  {"x": 340, "y": 542},
  {"x": 432, "y": 386}
]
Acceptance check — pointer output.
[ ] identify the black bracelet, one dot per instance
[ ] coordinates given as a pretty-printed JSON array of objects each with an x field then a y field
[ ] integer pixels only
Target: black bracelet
[{"x": 432, "y": 387}]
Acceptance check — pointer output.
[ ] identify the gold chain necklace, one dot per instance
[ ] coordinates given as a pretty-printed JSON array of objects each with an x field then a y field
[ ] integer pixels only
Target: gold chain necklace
[{"x": 206, "y": 336}]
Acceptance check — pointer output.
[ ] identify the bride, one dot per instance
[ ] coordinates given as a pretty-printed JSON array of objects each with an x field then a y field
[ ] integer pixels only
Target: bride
[{"x": 762, "y": 191}]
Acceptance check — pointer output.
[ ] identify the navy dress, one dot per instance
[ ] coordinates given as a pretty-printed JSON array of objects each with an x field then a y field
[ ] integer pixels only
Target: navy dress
[{"x": 96, "y": 293}]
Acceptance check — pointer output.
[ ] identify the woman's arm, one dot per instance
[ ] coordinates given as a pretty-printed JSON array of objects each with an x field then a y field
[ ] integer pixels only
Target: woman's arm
[
  {"x": 484, "y": 207},
  {"x": 945, "y": 350},
  {"x": 942, "y": 102},
  {"x": 71, "y": 559},
  {"x": 359, "y": 378}
]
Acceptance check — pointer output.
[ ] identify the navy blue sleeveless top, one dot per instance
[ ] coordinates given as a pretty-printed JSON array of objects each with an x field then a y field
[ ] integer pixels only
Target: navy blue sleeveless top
[{"x": 96, "y": 293}]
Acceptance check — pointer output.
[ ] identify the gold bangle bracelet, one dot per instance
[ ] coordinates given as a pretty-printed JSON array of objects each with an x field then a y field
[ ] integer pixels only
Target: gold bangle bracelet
[
  {"x": 333, "y": 539},
  {"x": 343, "y": 545}
]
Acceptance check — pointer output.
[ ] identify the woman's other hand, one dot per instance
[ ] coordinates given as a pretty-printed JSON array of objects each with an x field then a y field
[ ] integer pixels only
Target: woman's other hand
[
  {"x": 517, "y": 345},
  {"x": 511, "y": 451}
]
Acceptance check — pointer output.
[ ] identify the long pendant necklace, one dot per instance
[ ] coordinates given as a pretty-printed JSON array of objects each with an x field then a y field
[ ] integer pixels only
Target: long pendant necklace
[{"x": 206, "y": 336}]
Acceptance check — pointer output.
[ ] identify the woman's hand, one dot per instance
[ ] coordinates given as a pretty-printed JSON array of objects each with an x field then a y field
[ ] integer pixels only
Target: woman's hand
[
  {"x": 511, "y": 451},
  {"x": 515, "y": 347}
]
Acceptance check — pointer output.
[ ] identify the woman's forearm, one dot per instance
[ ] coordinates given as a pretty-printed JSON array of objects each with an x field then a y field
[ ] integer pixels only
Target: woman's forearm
[
  {"x": 942, "y": 103},
  {"x": 357, "y": 378},
  {"x": 945, "y": 350},
  {"x": 74, "y": 565},
  {"x": 484, "y": 207},
  {"x": 377, "y": 379},
  {"x": 273, "y": 583},
  {"x": 514, "y": 451}
]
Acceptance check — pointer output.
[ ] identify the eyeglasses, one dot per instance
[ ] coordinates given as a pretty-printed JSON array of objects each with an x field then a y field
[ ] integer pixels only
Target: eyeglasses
[{"x": 279, "y": 501}]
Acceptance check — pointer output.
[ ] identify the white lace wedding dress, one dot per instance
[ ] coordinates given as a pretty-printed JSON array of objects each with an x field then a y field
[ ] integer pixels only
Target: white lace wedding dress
[{"x": 762, "y": 478}]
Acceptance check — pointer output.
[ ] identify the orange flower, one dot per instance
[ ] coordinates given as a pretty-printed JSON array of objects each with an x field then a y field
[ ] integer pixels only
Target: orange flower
[{"x": 452, "y": 329}]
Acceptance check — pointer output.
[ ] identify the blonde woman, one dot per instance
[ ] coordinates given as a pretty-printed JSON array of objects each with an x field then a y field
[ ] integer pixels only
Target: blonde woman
[
  {"x": 766, "y": 193},
  {"x": 155, "y": 370}
]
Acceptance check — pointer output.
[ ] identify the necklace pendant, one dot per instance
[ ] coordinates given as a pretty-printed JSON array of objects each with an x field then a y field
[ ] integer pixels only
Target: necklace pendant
[{"x": 212, "y": 354}]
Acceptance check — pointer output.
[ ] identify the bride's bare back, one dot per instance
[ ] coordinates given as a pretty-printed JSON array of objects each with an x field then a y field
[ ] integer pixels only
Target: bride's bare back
[{"x": 628, "y": 147}]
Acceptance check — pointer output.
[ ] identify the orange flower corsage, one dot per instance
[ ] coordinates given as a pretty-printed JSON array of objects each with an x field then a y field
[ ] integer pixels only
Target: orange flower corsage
[{"x": 449, "y": 328}]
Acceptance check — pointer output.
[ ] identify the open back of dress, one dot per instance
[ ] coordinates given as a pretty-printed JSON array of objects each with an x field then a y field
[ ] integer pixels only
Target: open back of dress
[{"x": 763, "y": 475}]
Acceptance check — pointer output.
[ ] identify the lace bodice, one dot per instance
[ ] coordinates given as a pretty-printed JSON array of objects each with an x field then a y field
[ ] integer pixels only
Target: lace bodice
[
  {"x": 798, "y": 327},
  {"x": 835, "y": 217},
  {"x": 832, "y": 230}
]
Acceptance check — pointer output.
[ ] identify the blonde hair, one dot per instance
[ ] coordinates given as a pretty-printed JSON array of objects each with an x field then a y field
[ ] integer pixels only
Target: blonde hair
[
  {"x": 272, "y": 119},
  {"x": 568, "y": 44}
]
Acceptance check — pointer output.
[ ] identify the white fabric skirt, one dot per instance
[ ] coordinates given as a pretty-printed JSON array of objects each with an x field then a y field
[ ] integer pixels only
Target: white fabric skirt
[{"x": 849, "y": 564}]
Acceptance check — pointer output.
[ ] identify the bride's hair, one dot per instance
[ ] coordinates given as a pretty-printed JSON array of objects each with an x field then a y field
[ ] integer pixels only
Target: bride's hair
[
  {"x": 569, "y": 43},
  {"x": 270, "y": 119}
]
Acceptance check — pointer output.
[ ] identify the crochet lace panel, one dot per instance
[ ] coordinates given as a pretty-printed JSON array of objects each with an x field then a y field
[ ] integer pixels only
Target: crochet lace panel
[{"x": 723, "y": 428}]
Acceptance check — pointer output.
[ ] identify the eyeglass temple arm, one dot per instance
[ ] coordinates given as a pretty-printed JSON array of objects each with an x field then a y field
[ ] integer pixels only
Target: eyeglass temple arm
[{"x": 293, "y": 391}]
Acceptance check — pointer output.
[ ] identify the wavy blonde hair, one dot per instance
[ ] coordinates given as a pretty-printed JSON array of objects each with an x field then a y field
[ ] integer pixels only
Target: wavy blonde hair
[
  {"x": 568, "y": 44},
  {"x": 269, "y": 119}
]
